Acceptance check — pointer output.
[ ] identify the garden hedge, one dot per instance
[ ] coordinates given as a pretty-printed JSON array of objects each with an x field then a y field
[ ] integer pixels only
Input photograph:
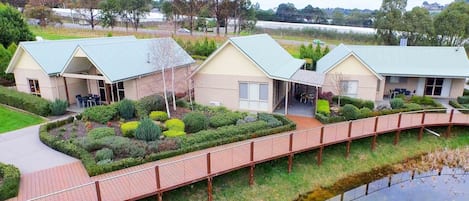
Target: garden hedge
[
  {"x": 88, "y": 160},
  {"x": 11, "y": 181},
  {"x": 24, "y": 101},
  {"x": 323, "y": 107}
]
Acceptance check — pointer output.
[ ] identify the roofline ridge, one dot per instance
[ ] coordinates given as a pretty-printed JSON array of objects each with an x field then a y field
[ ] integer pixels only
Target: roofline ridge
[
  {"x": 74, "y": 39},
  {"x": 250, "y": 36}
]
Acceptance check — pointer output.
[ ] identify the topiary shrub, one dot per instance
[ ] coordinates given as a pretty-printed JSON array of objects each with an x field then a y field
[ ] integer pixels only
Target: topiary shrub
[
  {"x": 159, "y": 116},
  {"x": 225, "y": 119},
  {"x": 98, "y": 133},
  {"x": 149, "y": 103},
  {"x": 126, "y": 109},
  {"x": 147, "y": 130},
  {"x": 369, "y": 104},
  {"x": 365, "y": 112},
  {"x": 323, "y": 107},
  {"x": 11, "y": 181},
  {"x": 175, "y": 124},
  {"x": 58, "y": 107},
  {"x": 396, "y": 103},
  {"x": 104, "y": 154},
  {"x": 270, "y": 119},
  {"x": 174, "y": 133},
  {"x": 350, "y": 112},
  {"x": 101, "y": 114},
  {"x": 195, "y": 122},
  {"x": 128, "y": 128}
]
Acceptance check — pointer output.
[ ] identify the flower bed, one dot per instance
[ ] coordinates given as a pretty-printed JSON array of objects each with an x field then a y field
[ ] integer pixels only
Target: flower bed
[
  {"x": 354, "y": 108},
  {"x": 104, "y": 147},
  {"x": 9, "y": 181}
]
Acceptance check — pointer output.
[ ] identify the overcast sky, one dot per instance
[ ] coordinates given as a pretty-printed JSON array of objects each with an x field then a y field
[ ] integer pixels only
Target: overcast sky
[{"x": 361, "y": 4}]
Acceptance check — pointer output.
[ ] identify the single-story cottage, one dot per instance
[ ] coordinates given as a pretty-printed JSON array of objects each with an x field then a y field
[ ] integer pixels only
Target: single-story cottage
[
  {"x": 251, "y": 73},
  {"x": 372, "y": 72},
  {"x": 113, "y": 68}
]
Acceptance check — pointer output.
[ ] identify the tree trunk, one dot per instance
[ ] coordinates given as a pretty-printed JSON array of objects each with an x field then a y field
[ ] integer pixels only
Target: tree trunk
[
  {"x": 164, "y": 93},
  {"x": 172, "y": 86},
  {"x": 92, "y": 19}
]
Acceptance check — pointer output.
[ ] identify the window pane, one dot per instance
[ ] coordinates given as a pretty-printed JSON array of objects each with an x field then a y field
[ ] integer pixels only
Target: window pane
[
  {"x": 100, "y": 83},
  {"x": 263, "y": 92},
  {"x": 120, "y": 85},
  {"x": 243, "y": 90},
  {"x": 428, "y": 91},
  {"x": 31, "y": 86},
  {"x": 437, "y": 91},
  {"x": 430, "y": 81},
  {"x": 439, "y": 81},
  {"x": 102, "y": 94},
  {"x": 121, "y": 95},
  {"x": 36, "y": 82}
]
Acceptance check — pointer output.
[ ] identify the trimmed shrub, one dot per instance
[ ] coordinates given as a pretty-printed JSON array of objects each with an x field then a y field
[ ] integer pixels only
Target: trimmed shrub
[
  {"x": 350, "y": 112},
  {"x": 101, "y": 114},
  {"x": 463, "y": 99},
  {"x": 104, "y": 154},
  {"x": 466, "y": 92},
  {"x": 24, "y": 101},
  {"x": 349, "y": 100},
  {"x": 369, "y": 104},
  {"x": 323, "y": 107},
  {"x": 149, "y": 103},
  {"x": 329, "y": 119},
  {"x": 365, "y": 112},
  {"x": 173, "y": 133},
  {"x": 58, "y": 107},
  {"x": 128, "y": 128},
  {"x": 147, "y": 130},
  {"x": 195, "y": 122},
  {"x": 425, "y": 100},
  {"x": 225, "y": 119},
  {"x": 270, "y": 119},
  {"x": 396, "y": 103},
  {"x": 412, "y": 106},
  {"x": 182, "y": 103},
  {"x": 159, "y": 116},
  {"x": 175, "y": 124},
  {"x": 98, "y": 133},
  {"x": 126, "y": 109},
  {"x": 11, "y": 181}
]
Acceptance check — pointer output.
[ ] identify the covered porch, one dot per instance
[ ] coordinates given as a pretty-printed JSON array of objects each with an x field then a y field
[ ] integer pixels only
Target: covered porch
[
  {"x": 300, "y": 93},
  {"x": 438, "y": 87}
]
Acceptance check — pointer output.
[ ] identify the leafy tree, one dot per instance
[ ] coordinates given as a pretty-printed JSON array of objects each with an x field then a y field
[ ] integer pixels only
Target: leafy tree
[
  {"x": 286, "y": 12},
  {"x": 452, "y": 24},
  {"x": 5, "y": 57},
  {"x": 13, "y": 27},
  {"x": 338, "y": 17},
  {"x": 109, "y": 13},
  {"x": 389, "y": 20},
  {"x": 418, "y": 26},
  {"x": 15, "y": 3},
  {"x": 266, "y": 15},
  {"x": 41, "y": 10}
]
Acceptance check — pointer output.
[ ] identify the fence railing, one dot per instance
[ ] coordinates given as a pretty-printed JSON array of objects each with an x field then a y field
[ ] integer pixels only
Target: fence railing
[{"x": 192, "y": 168}]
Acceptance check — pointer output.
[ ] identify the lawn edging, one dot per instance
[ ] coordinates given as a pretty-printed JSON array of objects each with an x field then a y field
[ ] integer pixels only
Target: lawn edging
[
  {"x": 93, "y": 169},
  {"x": 11, "y": 181}
]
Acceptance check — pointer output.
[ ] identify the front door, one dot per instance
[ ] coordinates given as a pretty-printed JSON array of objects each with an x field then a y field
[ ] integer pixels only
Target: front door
[{"x": 434, "y": 86}]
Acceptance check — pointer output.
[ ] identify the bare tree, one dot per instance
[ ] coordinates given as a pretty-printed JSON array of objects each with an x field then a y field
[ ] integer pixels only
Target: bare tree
[{"x": 337, "y": 82}]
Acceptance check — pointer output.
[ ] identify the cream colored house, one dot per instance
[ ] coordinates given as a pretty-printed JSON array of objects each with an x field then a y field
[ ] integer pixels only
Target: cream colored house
[
  {"x": 113, "y": 68},
  {"x": 251, "y": 73},
  {"x": 373, "y": 72}
]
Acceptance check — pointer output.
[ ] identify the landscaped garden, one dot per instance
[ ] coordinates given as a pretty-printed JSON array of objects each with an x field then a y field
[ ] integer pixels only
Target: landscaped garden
[
  {"x": 462, "y": 102},
  {"x": 329, "y": 111},
  {"x": 9, "y": 181},
  {"x": 128, "y": 133}
]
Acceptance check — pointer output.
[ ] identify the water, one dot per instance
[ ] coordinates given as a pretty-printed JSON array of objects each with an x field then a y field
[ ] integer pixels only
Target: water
[{"x": 451, "y": 185}]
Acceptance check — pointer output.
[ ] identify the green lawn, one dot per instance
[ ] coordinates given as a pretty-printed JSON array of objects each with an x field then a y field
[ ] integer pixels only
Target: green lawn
[
  {"x": 13, "y": 120},
  {"x": 272, "y": 182}
]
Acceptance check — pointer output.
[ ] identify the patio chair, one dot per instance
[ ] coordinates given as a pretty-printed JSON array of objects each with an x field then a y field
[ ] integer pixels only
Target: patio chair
[
  {"x": 303, "y": 98},
  {"x": 97, "y": 99},
  {"x": 79, "y": 100}
]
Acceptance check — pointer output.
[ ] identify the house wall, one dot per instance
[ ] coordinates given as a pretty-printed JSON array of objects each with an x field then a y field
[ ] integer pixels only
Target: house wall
[
  {"x": 219, "y": 79},
  {"x": 457, "y": 88},
  {"x": 352, "y": 69},
  {"x": 28, "y": 68},
  {"x": 409, "y": 83}
]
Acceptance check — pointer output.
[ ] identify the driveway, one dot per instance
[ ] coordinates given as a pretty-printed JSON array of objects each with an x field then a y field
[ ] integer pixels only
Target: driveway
[{"x": 23, "y": 149}]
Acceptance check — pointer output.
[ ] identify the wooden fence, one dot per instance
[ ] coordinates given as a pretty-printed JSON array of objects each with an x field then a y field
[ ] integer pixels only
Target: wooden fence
[{"x": 193, "y": 168}]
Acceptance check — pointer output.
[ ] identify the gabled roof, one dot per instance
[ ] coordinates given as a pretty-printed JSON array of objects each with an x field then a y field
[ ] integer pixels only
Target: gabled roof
[
  {"x": 275, "y": 61},
  {"x": 403, "y": 61},
  {"x": 129, "y": 59},
  {"x": 51, "y": 55}
]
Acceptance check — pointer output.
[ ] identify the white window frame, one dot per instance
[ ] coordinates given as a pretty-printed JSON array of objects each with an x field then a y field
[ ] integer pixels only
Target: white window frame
[
  {"x": 115, "y": 96},
  {"x": 35, "y": 86},
  {"x": 346, "y": 88},
  {"x": 253, "y": 100}
]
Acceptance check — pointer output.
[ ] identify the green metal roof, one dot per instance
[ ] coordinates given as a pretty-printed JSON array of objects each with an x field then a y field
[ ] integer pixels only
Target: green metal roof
[
  {"x": 403, "y": 60},
  {"x": 275, "y": 61},
  {"x": 52, "y": 55},
  {"x": 129, "y": 59}
]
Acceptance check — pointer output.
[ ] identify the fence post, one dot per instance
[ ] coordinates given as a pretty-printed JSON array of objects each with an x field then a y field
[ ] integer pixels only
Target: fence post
[
  {"x": 158, "y": 183},
  {"x": 290, "y": 157},
  {"x": 98, "y": 190},
  {"x": 375, "y": 130},
  {"x": 321, "y": 148},
  {"x": 349, "y": 141},
  {"x": 251, "y": 168},
  {"x": 398, "y": 132},
  {"x": 448, "y": 132},
  {"x": 422, "y": 127},
  {"x": 209, "y": 189}
]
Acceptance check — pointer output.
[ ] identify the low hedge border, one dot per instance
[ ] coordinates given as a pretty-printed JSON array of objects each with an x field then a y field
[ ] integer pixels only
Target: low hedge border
[
  {"x": 458, "y": 106},
  {"x": 67, "y": 147},
  {"x": 334, "y": 119},
  {"x": 11, "y": 181},
  {"x": 24, "y": 101}
]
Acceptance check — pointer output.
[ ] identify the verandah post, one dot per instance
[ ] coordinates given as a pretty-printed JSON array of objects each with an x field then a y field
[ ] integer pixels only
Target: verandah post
[
  {"x": 349, "y": 142},
  {"x": 398, "y": 132},
  {"x": 321, "y": 148}
]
